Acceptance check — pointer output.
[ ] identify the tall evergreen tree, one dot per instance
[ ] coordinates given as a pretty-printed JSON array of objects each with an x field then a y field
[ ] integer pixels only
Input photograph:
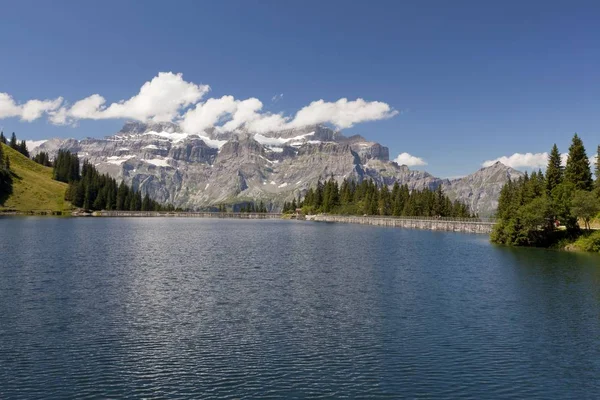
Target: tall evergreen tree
[
  {"x": 13, "y": 142},
  {"x": 2, "y": 138},
  {"x": 554, "y": 171},
  {"x": 578, "y": 170},
  {"x": 23, "y": 148}
]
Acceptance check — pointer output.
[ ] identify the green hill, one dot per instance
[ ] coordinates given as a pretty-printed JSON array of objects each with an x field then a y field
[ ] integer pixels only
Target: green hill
[{"x": 33, "y": 188}]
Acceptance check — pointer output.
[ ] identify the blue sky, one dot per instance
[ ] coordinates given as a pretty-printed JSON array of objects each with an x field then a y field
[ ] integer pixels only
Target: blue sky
[{"x": 471, "y": 81}]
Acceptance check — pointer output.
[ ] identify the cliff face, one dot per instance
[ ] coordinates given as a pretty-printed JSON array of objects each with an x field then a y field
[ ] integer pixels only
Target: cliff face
[
  {"x": 481, "y": 189},
  {"x": 194, "y": 171}
]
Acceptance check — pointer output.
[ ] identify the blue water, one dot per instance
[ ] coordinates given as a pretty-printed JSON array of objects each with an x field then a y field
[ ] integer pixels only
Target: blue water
[{"x": 198, "y": 308}]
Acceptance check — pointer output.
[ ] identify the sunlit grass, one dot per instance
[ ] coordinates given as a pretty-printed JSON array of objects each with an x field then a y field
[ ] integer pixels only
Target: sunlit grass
[{"x": 33, "y": 188}]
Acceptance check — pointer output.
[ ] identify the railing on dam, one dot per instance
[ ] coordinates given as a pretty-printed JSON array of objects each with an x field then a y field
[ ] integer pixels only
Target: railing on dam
[
  {"x": 449, "y": 219},
  {"x": 469, "y": 225},
  {"x": 186, "y": 214}
]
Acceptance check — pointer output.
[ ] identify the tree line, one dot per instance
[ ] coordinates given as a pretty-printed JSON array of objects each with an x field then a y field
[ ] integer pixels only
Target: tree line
[
  {"x": 252, "y": 208},
  {"x": 366, "y": 197},
  {"x": 538, "y": 209},
  {"x": 66, "y": 167},
  {"x": 21, "y": 146},
  {"x": 43, "y": 158},
  {"x": 91, "y": 190}
]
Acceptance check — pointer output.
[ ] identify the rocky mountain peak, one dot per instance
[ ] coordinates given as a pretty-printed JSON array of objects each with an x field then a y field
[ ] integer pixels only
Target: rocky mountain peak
[{"x": 215, "y": 167}]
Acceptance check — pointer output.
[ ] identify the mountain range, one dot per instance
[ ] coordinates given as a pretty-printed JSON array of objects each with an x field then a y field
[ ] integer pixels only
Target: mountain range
[{"x": 199, "y": 171}]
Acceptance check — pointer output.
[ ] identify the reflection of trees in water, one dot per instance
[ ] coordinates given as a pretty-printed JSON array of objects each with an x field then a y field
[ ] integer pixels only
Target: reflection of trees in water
[{"x": 566, "y": 287}]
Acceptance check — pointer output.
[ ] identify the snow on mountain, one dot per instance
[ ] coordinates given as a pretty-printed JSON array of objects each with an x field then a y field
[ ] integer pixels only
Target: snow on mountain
[{"x": 194, "y": 171}]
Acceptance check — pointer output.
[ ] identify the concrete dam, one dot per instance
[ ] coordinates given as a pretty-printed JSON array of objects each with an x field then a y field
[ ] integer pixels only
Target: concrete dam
[{"x": 467, "y": 225}]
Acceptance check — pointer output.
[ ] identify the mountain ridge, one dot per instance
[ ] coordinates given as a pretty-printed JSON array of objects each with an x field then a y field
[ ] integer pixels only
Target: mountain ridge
[{"x": 202, "y": 170}]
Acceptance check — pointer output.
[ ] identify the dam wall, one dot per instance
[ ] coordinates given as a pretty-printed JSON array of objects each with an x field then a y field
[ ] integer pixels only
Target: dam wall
[
  {"x": 468, "y": 225},
  {"x": 184, "y": 214}
]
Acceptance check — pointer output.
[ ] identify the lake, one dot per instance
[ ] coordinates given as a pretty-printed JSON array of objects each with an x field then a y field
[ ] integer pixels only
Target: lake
[{"x": 203, "y": 308}]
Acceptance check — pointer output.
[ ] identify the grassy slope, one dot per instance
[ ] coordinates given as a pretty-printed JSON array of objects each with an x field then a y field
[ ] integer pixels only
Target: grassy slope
[{"x": 33, "y": 186}]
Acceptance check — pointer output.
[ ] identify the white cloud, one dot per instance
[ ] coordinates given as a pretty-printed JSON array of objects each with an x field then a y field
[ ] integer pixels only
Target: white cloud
[
  {"x": 30, "y": 111},
  {"x": 88, "y": 108},
  {"x": 531, "y": 160},
  {"x": 518, "y": 160},
  {"x": 409, "y": 160},
  {"x": 160, "y": 100},
  {"x": 208, "y": 114},
  {"x": 342, "y": 113},
  {"x": 168, "y": 97},
  {"x": 228, "y": 114}
]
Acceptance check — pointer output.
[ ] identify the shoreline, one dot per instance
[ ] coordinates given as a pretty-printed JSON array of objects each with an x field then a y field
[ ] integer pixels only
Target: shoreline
[{"x": 466, "y": 225}]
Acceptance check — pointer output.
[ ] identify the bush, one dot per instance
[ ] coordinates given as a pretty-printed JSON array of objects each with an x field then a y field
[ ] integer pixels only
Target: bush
[{"x": 589, "y": 242}]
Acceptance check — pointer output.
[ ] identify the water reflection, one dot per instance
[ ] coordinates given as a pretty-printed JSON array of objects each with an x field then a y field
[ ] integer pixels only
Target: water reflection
[{"x": 271, "y": 309}]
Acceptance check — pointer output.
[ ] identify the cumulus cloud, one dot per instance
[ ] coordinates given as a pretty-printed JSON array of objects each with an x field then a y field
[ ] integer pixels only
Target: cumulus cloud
[
  {"x": 29, "y": 111},
  {"x": 519, "y": 160},
  {"x": 168, "y": 97},
  {"x": 531, "y": 160},
  {"x": 208, "y": 114},
  {"x": 409, "y": 160},
  {"x": 159, "y": 100},
  {"x": 342, "y": 113}
]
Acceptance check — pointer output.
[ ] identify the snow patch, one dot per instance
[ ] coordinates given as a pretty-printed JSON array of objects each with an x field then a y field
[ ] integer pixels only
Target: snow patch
[
  {"x": 214, "y": 143},
  {"x": 159, "y": 162},
  {"x": 180, "y": 137},
  {"x": 174, "y": 137},
  {"x": 284, "y": 184},
  {"x": 269, "y": 141},
  {"x": 116, "y": 160},
  {"x": 34, "y": 144}
]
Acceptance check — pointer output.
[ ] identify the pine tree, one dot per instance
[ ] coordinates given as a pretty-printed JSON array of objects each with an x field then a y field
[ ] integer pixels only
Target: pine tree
[
  {"x": 578, "y": 170},
  {"x": 554, "y": 171},
  {"x": 23, "y": 149},
  {"x": 13, "y": 142},
  {"x": 122, "y": 193},
  {"x": 2, "y": 138}
]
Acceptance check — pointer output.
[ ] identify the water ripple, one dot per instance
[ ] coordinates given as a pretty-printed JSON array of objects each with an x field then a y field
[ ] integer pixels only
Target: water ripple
[{"x": 158, "y": 308}]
